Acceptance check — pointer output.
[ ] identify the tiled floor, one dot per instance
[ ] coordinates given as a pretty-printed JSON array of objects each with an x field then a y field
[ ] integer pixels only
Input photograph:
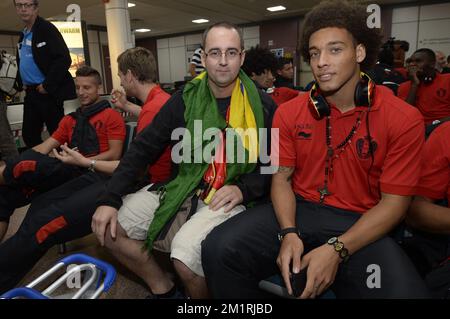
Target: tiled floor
[{"x": 127, "y": 286}]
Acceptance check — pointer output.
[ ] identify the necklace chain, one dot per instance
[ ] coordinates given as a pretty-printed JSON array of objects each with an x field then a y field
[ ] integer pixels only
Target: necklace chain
[{"x": 334, "y": 153}]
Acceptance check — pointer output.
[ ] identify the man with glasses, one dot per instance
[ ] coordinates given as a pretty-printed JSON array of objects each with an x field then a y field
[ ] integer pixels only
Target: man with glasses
[
  {"x": 209, "y": 190},
  {"x": 44, "y": 60}
]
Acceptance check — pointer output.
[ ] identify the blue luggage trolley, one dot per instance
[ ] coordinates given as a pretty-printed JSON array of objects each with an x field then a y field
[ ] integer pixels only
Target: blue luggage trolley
[{"x": 98, "y": 277}]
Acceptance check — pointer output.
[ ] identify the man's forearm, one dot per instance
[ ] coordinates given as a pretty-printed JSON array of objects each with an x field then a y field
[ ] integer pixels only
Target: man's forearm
[
  {"x": 427, "y": 216},
  {"x": 133, "y": 108},
  {"x": 283, "y": 199},
  {"x": 376, "y": 222},
  {"x": 411, "y": 98}
]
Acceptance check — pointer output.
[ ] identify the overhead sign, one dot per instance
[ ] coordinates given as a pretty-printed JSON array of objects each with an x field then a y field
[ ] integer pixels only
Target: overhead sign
[{"x": 72, "y": 32}]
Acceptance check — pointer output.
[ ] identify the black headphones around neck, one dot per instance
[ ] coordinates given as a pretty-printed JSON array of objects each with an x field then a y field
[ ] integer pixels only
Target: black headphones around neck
[{"x": 364, "y": 94}]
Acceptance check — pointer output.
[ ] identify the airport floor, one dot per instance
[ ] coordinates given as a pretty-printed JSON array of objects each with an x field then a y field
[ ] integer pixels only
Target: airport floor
[{"x": 127, "y": 286}]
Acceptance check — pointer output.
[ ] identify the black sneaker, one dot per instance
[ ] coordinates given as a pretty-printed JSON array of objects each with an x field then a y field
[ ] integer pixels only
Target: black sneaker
[{"x": 174, "y": 293}]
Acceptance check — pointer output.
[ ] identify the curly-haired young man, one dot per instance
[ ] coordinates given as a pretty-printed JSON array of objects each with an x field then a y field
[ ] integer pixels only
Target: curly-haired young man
[
  {"x": 260, "y": 65},
  {"x": 347, "y": 169}
]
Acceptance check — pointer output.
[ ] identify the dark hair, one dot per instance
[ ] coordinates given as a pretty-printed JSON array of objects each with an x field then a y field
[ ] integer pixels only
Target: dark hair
[
  {"x": 403, "y": 44},
  {"x": 140, "y": 61},
  {"x": 226, "y": 25},
  {"x": 386, "y": 56},
  {"x": 281, "y": 62},
  {"x": 448, "y": 59},
  {"x": 36, "y": 2},
  {"x": 257, "y": 60},
  {"x": 429, "y": 53},
  {"x": 341, "y": 14},
  {"x": 86, "y": 70}
]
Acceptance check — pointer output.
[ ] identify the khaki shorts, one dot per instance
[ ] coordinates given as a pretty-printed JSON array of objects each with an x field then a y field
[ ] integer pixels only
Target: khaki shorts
[
  {"x": 137, "y": 213},
  {"x": 186, "y": 246},
  {"x": 184, "y": 238}
]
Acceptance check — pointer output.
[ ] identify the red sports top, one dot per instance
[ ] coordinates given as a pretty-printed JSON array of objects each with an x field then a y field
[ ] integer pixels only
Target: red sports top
[
  {"x": 435, "y": 180},
  {"x": 159, "y": 171},
  {"x": 433, "y": 99},
  {"x": 108, "y": 124},
  {"x": 397, "y": 133}
]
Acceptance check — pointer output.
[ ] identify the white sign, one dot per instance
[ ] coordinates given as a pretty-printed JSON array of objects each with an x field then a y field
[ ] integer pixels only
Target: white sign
[{"x": 72, "y": 33}]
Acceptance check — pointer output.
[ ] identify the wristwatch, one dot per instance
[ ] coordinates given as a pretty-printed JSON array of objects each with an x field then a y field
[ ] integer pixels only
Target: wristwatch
[
  {"x": 339, "y": 248},
  {"x": 286, "y": 231},
  {"x": 92, "y": 166}
]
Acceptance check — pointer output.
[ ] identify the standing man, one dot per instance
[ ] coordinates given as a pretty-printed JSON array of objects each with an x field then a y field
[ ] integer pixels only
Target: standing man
[
  {"x": 348, "y": 165},
  {"x": 44, "y": 60}
]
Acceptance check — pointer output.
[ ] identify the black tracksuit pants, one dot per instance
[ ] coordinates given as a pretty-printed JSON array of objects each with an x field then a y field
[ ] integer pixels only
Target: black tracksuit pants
[
  {"x": 29, "y": 175},
  {"x": 39, "y": 109},
  {"x": 239, "y": 253},
  {"x": 55, "y": 217}
]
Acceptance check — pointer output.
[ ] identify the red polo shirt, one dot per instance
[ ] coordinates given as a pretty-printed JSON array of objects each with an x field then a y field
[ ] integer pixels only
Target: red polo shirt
[
  {"x": 433, "y": 99},
  {"x": 159, "y": 171},
  {"x": 435, "y": 180},
  {"x": 397, "y": 133},
  {"x": 283, "y": 94},
  {"x": 108, "y": 124}
]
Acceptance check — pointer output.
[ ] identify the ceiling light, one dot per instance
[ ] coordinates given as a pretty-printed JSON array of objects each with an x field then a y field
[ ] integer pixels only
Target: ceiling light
[
  {"x": 142, "y": 30},
  {"x": 131, "y": 5},
  {"x": 277, "y": 8},
  {"x": 200, "y": 21}
]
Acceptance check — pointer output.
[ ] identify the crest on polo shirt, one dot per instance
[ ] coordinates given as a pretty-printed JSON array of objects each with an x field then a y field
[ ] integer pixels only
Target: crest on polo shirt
[
  {"x": 304, "y": 131},
  {"x": 363, "y": 149}
]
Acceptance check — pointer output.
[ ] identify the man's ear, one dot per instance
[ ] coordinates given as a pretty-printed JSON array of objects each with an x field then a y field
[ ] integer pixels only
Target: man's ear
[
  {"x": 360, "y": 53},
  {"x": 242, "y": 57},
  {"x": 203, "y": 58},
  {"x": 129, "y": 76}
]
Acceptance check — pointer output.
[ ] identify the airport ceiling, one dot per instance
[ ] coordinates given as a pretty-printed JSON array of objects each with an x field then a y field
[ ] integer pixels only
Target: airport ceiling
[{"x": 165, "y": 17}]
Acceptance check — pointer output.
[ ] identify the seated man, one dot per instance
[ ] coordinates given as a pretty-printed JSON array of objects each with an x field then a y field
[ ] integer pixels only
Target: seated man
[
  {"x": 221, "y": 98},
  {"x": 95, "y": 129},
  {"x": 65, "y": 213},
  {"x": 383, "y": 72},
  {"x": 347, "y": 166},
  {"x": 260, "y": 65},
  {"x": 431, "y": 218},
  {"x": 284, "y": 73},
  {"x": 426, "y": 89}
]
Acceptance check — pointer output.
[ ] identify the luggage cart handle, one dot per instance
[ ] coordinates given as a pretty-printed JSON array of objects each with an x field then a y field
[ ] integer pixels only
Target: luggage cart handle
[
  {"x": 29, "y": 293},
  {"x": 110, "y": 272}
]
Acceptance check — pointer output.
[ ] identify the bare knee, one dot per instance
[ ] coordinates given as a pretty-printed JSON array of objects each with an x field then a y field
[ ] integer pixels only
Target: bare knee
[{"x": 110, "y": 242}]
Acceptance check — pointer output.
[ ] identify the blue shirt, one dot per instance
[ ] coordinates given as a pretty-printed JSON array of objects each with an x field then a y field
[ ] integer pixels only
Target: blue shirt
[{"x": 29, "y": 71}]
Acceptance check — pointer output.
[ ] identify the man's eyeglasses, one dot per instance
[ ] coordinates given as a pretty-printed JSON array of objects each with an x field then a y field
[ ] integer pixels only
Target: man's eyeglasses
[
  {"x": 217, "y": 54},
  {"x": 24, "y": 5}
]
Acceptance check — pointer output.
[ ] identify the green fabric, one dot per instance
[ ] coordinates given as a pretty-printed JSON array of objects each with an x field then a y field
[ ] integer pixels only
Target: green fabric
[{"x": 201, "y": 105}]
